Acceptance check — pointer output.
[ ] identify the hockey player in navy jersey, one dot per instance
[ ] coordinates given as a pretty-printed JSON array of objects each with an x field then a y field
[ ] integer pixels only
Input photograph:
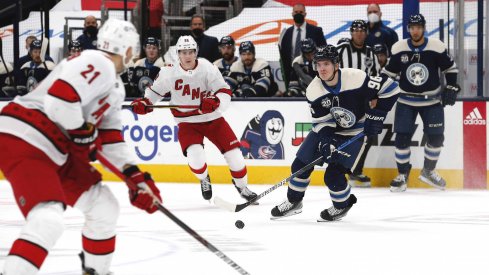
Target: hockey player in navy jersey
[
  {"x": 418, "y": 60},
  {"x": 337, "y": 99}
]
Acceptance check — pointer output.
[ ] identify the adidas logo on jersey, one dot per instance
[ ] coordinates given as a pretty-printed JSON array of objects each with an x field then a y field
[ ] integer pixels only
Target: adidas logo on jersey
[{"x": 474, "y": 118}]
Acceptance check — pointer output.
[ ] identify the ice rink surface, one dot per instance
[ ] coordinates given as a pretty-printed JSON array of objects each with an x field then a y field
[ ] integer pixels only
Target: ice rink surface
[{"x": 421, "y": 231}]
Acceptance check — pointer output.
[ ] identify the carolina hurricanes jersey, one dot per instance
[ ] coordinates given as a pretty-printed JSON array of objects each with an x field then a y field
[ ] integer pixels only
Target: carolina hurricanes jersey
[
  {"x": 188, "y": 87},
  {"x": 80, "y": 89}
]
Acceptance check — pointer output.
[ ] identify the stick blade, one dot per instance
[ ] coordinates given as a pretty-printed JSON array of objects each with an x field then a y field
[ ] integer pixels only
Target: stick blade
[{"x": 225, "y": 204}]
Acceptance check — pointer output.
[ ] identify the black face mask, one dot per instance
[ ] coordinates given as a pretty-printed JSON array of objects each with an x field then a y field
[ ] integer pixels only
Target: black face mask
[
  {"x": 197, "y": 32},
  {"x": 299, "y": 18},
  {"x": 91, "y": 30}
]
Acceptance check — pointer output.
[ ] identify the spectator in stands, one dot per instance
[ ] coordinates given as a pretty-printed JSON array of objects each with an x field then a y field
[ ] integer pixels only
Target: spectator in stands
[
  {"x": 208, "y": 45},
  {"x": 74, "y": 48},
  {"x": 290, "y": 44},
  {"x": 33, "y": 72},
  {"x": 356, "y": 53},
  {"x": 88, "y": 39},
  {"x": 250, "y": 76},
  {"x": 227, "y": 48},
  {"x": 302, "y": 73},
  {"x": 382, "y": 54},
  {"x": 145, "y": 70},
  {"x": 378, "y": 33}
]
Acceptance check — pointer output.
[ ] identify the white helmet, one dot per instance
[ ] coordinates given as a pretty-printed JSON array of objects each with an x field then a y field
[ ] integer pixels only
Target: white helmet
[
  {"x": 116, "y": 36},
  {"x": 187, "y": 42}
]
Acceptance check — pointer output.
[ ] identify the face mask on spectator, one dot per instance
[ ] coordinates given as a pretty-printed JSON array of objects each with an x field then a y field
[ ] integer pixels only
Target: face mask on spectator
[
  {"x": 373, "y": 18},
  {"x": 197, "y": 32},
  {"x": 299, "y": 18},
  {"x": 91, "y": 30}
]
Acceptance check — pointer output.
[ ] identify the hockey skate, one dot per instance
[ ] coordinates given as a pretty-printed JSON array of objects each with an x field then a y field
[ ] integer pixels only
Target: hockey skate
[
  {"x": 205, "y": 186},
  {"x": 246, "y": 193},
  {"x": 359, "y": 180},
  {"x": 432, "y": 178},
  {"x": 286, "y": 209},
  {"x": 399, "y": 184},
  {"x": 335, "y": 214},
  {"x": 87, "y": 270}
]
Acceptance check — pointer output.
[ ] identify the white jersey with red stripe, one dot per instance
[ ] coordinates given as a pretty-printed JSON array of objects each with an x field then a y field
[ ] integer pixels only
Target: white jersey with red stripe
[
  {"x": 82, "y": 89},
  {"x": 188, "y": 87}
]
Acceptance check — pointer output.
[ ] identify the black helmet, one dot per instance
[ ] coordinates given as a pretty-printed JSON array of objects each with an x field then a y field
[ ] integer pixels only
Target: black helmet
[
  {"x": 327, "y": 52},
  {"x": 358, "y": 24},
  {"x": 246, "y": 46},
  {"x": 152, "y": 41},
  {"x": 416, "y": 19},
  {"x": 75, "y": 45},
  {"x": 343, "y": 40},
  {"x": 36, "y": 44},
  {"x": 380, "y": 48},
  {"x": 308, "y": 45},
  {"x": 227, "y": 40}
]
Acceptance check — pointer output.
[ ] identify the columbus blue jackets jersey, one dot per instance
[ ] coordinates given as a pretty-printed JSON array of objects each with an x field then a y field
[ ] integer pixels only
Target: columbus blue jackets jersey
[
  {"x": 259, "y": 77},
  {"x": 342, "y": 109},
  {"x": 143, "y": 74},
  {"x": 419, "y": 68}
]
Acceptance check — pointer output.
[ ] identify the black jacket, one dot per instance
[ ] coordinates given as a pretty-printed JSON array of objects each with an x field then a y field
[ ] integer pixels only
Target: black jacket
[
  {"x": 313, "y": 32},
  {"x": 208, "y": 47}
]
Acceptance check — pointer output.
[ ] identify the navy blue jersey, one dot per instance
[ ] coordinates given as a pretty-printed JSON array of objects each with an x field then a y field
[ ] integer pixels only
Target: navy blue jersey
[
  {"x": 418, "y": 68},
  {"x": 259, "y": 77},
  {"x": 223, "y": 67},
  {"x": 341, "y": 110}
]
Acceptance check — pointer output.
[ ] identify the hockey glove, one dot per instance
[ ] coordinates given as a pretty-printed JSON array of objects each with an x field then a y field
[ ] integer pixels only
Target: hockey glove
[
  {"x": 209, "y": 104},
  {"x": 140, "y": 106},
  {"x": 328, "y": 150},
  {"x": 144, "y": 192},
  {"x": 449, "y": 95},
  {"x": 374, "y": 122},
  {"x": 249, "y": 92},
  {"x": 85, "y": 141}
]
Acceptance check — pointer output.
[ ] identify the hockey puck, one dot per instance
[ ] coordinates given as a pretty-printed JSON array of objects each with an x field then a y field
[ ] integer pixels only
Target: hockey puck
[{"x": 239, "y": 224}]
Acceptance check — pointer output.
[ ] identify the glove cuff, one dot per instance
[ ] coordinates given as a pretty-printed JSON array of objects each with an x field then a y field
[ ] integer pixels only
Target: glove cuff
[{"x": 130, "y": 170}]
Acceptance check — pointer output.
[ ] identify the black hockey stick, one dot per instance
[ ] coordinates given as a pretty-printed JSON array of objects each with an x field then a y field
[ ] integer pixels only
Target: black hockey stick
[
  {"x": 238, "y": 207},
  {"x": 172, "y": 217}
]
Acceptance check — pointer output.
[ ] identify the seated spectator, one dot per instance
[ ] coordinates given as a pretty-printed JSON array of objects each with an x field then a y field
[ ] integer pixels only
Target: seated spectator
[
  {"x": 6, "y": 79},
  {"x": 145, "y": 70},
  {"x": 382, "y": 54},
  {"x": 302, "y": 71},
  {"x": 227, "y": 49},
  {"x": 33, "y": 72},
  {"x": 250, "y": 76},
  {"x": 88, "y": 39},
  {"x": 74, "y": 48}
]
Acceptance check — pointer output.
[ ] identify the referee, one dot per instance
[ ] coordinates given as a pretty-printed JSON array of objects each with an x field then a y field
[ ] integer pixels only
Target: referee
[{"x": 356, "y": 53}]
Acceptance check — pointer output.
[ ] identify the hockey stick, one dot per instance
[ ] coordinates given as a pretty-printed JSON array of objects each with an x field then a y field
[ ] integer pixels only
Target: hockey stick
[
  {"x": 9, "y": 76},
  {"x": 166, "y": 106},
  {"x": 172, "y": 217},
  {"x": 238, "y": 207}
]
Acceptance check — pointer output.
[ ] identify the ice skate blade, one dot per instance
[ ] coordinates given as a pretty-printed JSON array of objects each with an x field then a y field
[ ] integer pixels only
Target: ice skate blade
[
  {"x": 427, "y": 181},
  {"x": 291, "y": 213}
]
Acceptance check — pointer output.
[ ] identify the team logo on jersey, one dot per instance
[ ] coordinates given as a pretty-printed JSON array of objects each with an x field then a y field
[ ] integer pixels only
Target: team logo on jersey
[
  {"x": 326, "y": 102},
  {"x": 344, "y": 117},
  {"x": 417, "y": 74},
  {"x": 31, "y": 83},
  {"x": 144, "y": 81},
  {"x": 404, "y": 58}
]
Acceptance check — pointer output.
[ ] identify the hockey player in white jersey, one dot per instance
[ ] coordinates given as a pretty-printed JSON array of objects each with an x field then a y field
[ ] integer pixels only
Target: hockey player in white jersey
[
  {"x": 195, "y": 81},
  {"x": 47, "y": 139}
]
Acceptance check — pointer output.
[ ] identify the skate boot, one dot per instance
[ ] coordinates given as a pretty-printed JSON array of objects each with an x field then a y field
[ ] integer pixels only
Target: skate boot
[
  {"x": 88, "y": 270},
  {"x": 432, "y": 178},
  {"x": 359, "y": 180},
  {"x": 205, "y": 186},
  {"x": 399, "y": 184},
  {"x": 335, "y": 214},
  {"x": 286, "y": 209},
  {"x": 246, "y": 193}
]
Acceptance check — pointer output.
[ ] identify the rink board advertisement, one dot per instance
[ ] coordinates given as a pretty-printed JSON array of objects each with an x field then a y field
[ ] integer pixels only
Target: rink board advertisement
[{"x": 274, "y": 130}]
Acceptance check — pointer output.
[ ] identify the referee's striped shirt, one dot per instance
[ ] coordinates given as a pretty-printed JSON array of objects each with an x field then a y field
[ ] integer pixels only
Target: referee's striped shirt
[{"x": 363, "y": 59}]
